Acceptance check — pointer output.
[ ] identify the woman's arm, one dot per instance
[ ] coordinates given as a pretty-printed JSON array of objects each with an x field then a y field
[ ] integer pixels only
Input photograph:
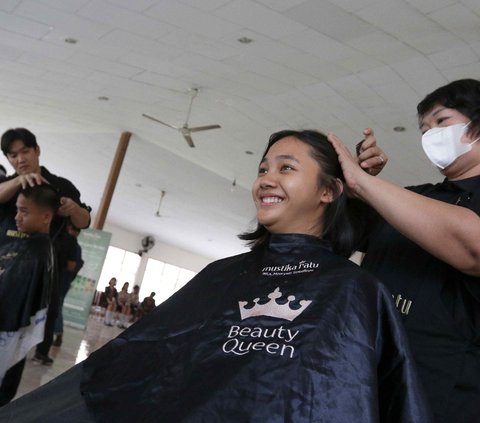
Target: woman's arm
[{"x": 449, "y": 232}]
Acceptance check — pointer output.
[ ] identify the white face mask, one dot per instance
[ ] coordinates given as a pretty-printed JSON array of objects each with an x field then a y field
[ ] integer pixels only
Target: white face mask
[{"x": 443, "y": 145}]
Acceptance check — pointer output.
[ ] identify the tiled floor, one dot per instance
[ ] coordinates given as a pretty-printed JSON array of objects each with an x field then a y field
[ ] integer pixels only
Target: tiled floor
[{"x": 77, "y": 345}]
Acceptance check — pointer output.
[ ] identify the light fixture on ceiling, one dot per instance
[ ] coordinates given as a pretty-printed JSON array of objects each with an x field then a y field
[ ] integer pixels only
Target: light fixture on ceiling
[
  {"x": 245, "y": 40},
  {"x": 71, "y": 40},
  {"x": 103, "y": 98},
  {"x": 399, "y": 128},
  {"x": 162, "y": 194},
  {"x": 249, "y": 152}
]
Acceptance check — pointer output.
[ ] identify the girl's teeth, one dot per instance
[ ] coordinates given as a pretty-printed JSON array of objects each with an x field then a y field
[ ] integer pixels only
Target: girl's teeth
[{"x": 271, "y": 200}]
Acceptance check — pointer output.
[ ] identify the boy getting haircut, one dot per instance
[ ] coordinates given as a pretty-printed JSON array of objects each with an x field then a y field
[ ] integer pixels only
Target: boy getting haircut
[{"x": 26, "y": 275}]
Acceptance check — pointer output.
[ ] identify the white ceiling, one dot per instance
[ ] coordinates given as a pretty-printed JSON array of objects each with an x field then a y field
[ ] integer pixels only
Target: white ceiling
[{"x": 339, "y": 65}]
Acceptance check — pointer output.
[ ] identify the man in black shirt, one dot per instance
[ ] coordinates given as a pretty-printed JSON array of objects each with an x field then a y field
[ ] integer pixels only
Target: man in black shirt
[
  {"x": 22, "y": 151},
  {"x": 20, "y": 147}
]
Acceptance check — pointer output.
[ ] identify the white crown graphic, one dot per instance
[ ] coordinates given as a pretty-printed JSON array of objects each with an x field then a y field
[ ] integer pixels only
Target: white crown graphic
[{"x": 272, "y": 308}]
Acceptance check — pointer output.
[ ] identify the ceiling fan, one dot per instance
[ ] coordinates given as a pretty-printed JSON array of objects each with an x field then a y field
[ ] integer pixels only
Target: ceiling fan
[{"x": 185, "y": 130}]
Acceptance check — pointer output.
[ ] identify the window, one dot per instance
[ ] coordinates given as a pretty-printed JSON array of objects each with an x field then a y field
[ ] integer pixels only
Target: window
[
  {"x": 164, "y": 279},
  {"x": 119, "y": 264}
]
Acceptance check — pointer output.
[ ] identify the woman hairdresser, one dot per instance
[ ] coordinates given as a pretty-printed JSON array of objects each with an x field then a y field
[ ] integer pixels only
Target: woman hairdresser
[{"x": 426, "y": 249}]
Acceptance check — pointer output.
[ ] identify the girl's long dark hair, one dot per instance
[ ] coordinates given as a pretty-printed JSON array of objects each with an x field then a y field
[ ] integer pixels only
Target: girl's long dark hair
[{"x": 340, "y": 224}]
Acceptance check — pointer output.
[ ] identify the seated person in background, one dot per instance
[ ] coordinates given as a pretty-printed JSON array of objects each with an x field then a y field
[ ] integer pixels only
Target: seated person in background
[
  {"x": 289, "y": 332},
  {"x": 148, "y": 304},
  {"x": 134, "y": 302},
  {"x": 109, "y": 299},
  {"x": 26, "y": 272},
  {"x": 123, "y": 307}
]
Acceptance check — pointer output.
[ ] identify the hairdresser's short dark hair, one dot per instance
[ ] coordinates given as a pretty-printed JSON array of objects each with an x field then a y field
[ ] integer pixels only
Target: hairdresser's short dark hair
[
  {"x": 44, "y": 196},
  {"x": 462, "y": 95},
  {"x": 339, "y": 220},
  {"x": 17, "y": 134}
]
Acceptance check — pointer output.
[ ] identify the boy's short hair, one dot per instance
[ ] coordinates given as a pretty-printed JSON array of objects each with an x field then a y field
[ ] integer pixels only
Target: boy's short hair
[
  {"x": 43, "y": 195},
  {"x": 17, "y": 134}
]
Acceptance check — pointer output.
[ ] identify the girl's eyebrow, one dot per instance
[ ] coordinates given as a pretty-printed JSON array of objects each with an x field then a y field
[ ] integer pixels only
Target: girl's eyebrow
[
  {"x": 286, "y": 157},
  {"x": 282, "y": 157}
]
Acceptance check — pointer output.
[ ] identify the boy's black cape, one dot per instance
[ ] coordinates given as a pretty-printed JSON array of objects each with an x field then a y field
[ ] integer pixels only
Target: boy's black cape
[{"x": 26, "y": 266}]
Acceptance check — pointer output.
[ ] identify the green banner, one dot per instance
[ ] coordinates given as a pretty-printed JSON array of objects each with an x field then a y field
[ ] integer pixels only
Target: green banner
[{"x": 78, "y": 301}]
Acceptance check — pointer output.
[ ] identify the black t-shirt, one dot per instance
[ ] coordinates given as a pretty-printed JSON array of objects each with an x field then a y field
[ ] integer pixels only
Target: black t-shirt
[
  {"x": 68, "y": 251},
  {"x": 439, "y": 305}
]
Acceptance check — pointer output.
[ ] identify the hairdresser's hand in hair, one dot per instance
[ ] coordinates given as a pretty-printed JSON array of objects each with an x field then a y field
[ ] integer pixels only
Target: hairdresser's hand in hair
[
  {"x": 355, "y": 176},
  {"x": 79, "y": 216},
  {"x": 417, "y": 217},
  {"x": 67, "y": 207},
  {"x": 10, "y": 187},
  {"x": 31, "y": 179},
  {"x": 371, "y": 157}
]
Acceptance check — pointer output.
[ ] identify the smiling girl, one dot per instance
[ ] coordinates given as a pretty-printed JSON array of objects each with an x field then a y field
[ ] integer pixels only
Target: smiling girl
[{"x": 289, "y": 332}]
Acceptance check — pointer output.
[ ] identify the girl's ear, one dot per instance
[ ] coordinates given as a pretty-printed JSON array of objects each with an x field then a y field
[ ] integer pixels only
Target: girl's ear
[{"x": 331, "y": 193}]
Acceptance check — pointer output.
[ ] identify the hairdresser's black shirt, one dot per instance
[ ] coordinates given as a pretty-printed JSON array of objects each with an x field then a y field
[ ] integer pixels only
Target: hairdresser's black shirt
[
  {"x": 8, "y": 210},
  {"x": 440, "y": 307}
]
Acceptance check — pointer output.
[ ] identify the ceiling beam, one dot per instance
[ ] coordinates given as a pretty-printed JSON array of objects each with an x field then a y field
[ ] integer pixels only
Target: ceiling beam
[{"x": 112, "y": 180}]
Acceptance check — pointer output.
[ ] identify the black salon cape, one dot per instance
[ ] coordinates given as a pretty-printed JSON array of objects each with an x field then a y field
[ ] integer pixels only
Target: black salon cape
[
  {"x": 26, "y": 266},
  {"x": 342, "y": 358}
]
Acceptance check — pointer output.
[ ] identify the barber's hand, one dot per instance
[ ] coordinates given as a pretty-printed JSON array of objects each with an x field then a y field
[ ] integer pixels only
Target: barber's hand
[
  {"x": 67, "y": 207},
  {"x": 31, "y": 179},
  {"x": 355, "y": 176},
  {"x": 372, "y": 158}
]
